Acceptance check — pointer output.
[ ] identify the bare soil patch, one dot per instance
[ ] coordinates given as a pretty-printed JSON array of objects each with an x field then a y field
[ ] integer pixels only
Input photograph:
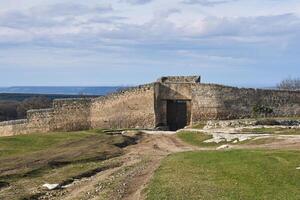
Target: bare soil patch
[{"x": 128, "y": 180}]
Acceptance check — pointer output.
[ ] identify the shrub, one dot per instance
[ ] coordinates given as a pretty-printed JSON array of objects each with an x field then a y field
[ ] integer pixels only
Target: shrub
[{"x": 261, "y": 110}]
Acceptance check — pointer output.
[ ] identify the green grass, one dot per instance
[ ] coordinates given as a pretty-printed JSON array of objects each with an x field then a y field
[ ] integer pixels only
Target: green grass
[
  {"x": 261, "y": 141},
  {"x": 228, "y": 175},
  {"x": 275, "y": 130},
  {"x": 196, "y": 139},
  {"x": 21, "y": 144},
  {"x": 28, "y": 161}
]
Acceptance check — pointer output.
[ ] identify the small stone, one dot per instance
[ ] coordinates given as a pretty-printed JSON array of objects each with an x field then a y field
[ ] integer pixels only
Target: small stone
[
  {"x": 51, "y": 186},
  {"x": 225, "y": 146},
  {"x": 298, "y": 168}
]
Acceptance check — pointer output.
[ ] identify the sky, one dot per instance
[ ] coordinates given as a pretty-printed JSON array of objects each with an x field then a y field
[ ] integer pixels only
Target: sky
[{"x": 247, "y": 43}]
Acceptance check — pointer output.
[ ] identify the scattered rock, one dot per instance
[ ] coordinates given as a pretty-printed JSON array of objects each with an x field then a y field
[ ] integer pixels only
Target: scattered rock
[
  {"x": 228, "y": 137},
  {"x": 225, "y": 146},
  {"x": 235, "y": 141},
  {"x": 251, "y": 122},
  {"x": 51, "y": 186},
  {"x": 298, "y": 168},
  {"x": 242, "y": 139}
]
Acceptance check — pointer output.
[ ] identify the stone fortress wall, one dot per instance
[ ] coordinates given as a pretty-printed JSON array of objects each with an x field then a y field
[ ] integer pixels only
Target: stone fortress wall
[
  {"x": 145, "y": 107},
  {"x": 211, "y": 101},
  {"x": 131, "y": 108},
  {"x": 66, "y": 115}
]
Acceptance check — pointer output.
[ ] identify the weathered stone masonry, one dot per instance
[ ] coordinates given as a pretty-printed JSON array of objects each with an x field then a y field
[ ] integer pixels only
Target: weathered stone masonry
[
  {"x": 66, "y": 115},
  {"x": 169, "y": 103},
  {"x": 131, "y": 108}
]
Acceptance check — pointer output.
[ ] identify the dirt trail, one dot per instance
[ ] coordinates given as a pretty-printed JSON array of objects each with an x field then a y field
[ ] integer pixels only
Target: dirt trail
[{"x": 128, "y": 180}]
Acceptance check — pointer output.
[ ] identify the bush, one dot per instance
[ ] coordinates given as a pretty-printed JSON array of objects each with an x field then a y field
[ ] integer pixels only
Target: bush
[{"x": 261, "y": 110}]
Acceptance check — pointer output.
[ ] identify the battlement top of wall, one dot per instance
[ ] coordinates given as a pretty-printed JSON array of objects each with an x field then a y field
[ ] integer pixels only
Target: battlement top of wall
[{"x": 179, "y": 79}]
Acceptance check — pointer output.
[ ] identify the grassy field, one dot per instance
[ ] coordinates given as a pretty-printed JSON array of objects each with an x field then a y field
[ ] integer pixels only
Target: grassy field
[
  {"x": 197, "y": 139},
  {"x": 228, "y": 175},
  {"x": 21, "y": 144},
  {"x": 29, "y": 161}
]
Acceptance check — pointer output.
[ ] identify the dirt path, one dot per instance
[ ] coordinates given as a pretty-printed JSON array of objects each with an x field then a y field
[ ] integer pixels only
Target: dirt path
[{"x": 128, "y": 180}]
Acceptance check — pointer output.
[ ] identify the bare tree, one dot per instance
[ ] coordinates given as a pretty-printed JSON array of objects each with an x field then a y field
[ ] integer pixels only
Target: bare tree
[{"x": 289, "y": 84}]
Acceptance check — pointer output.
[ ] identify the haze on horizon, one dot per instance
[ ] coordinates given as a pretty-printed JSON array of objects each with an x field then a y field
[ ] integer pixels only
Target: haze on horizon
[{"x": 127, "y": 42}]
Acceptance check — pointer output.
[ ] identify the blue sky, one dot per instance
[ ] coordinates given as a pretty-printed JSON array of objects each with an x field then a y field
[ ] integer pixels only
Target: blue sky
[{"x": 126, "y": 42}]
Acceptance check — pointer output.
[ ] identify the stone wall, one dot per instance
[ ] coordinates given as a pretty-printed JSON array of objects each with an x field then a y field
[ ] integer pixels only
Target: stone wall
[
  {"x": 39, "y": 120},
  {"x": 211, "y": 101},
  {"x": 146, "y": 106},
  {"x": 71, "y": 114},
  {"x": 131, "y": 108},
  {"x": 15, "y": 127},
  {"x": 66, "y": 115}
]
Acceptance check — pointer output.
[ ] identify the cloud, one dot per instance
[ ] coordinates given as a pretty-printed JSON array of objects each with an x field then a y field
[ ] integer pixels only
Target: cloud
[
  {"x": 70, "y": 9},
  {"x": 102, "y": 36},
  {"x": 137, "y": 2},
  {"x": 81, "y": 25},
  {"x": 207, "y": 2}
]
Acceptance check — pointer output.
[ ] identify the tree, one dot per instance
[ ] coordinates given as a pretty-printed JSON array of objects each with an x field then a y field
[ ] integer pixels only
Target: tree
[
  {"x": 289, "y": 84},
  {"x": 39, "y": 102},
  {"x": 8, "y": 110}
]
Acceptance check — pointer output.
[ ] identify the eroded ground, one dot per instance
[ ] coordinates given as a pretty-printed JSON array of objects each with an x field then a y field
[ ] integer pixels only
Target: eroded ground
[
  {"x": 94, "y": 166},
  {"x": 111, "y": 165}
]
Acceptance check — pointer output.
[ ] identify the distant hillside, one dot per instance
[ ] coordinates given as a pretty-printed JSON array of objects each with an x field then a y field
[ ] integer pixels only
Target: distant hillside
[
  {"x": 22, "y": 97},
  {"x": 101, "y": 90}
]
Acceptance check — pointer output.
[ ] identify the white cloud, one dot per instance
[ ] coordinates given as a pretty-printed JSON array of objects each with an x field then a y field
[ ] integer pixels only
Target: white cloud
[
  {"x": 136, "y": 2},
  {"x": 207, "y": 2},
  {"x": 104, "y": 34}
]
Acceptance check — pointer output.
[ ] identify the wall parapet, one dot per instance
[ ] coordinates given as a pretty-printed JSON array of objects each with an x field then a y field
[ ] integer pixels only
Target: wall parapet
[
  {"x": 139, "y": 88},
  {"x": 13, "y": 122},
  {"x": 40, "y": 110}
]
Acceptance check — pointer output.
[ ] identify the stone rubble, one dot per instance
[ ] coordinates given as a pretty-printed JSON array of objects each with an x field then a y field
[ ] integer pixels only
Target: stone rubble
[{"x": 227, "y": 137}]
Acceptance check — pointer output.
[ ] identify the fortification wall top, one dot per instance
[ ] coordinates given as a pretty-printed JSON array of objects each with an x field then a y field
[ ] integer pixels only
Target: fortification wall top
[
  {"x": 13, "y": 122},
  {"x": 179, "y": 79},
  {"x": 219, "y": 86},
  {"x": 136, "y": 89},
  {"x": 40, "y": 110}
]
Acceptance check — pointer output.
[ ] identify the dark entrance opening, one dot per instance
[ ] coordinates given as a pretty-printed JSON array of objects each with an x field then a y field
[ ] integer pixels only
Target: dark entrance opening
[{"x": 176, "y": 114}]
